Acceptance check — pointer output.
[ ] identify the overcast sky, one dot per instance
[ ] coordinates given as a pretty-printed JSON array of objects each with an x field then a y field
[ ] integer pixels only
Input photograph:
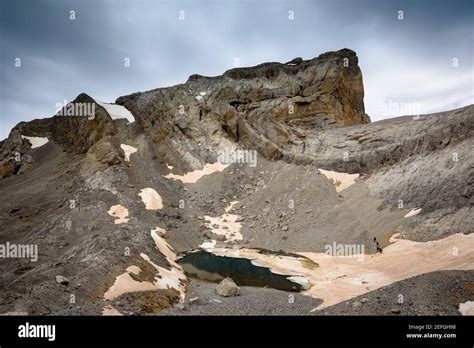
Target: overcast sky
[{"x": 425, "y": 59}]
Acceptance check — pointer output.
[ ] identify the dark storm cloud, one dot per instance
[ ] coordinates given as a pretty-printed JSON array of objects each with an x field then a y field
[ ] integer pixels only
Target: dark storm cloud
[{"x": 409, "y": 60}]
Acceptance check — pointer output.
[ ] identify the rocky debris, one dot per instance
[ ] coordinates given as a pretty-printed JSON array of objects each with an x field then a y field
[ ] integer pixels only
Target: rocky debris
[
  {"x": 214, "y": 236},
  {"x": 283, "y": 214},
  {"x": 252, "y": 301},
  {"x": 62, "y": 280},
  {"x": 227, "y": 288}
]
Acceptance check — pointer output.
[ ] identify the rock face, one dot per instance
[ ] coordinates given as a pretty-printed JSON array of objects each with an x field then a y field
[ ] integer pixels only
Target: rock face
[
  {"x": 371, "y": 147},
  {"x": 106, "y": 152},
  {"x": 227, "y": 288},
  {"x": 11, "y": 151},
  {"x": 264, "y": 108},
  {"x": 72, "y": 128}
]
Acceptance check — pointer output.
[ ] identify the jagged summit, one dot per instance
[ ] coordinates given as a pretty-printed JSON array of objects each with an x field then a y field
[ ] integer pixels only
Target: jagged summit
[{"x": 268, "y": 69}]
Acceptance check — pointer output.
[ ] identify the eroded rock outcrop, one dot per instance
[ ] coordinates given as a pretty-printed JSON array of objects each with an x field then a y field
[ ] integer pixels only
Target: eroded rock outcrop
[
  {"x": 77, "y": 127},
  {"x": 265, "y": 107},
  {"x": 104, "y": 153},
  {"x": 11, "y": 150}
]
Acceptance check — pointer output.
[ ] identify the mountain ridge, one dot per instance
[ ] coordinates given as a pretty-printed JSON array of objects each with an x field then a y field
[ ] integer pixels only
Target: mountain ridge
[{"x": 110, "y": 202}]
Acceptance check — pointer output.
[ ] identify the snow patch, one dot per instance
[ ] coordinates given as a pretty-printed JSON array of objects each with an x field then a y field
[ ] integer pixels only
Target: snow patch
[
  {"x": 413, "y": 212},
  {"x": 467, "y": 308},
  {"x": 165, "y": 279},
  {"x": 120, "y": 213},
  {"x": 337, "y": 279},
  {"x": 208, "y": 245},
  {"x": 117, "y": 111},
  {"x": 340, "y": 180},
  {"x": 151, "y": 198},
  {"x": 340, "y": 278},
  {"x": 128, "y": 151},
  {"x": 159, "y": 230},
  {"x": 394, "y": 237},
  {"x": 301, "y": 281},
  {"x": 124, "y": 283},
  {"x": 163, "y": 246},
  {"x": 36, "y": 141},
  {"x": 225, "y": 225},
  {"x": 173, "y": 277},
  {"x": 194, "y": 176},
  {"x": 230, "y": 206}
]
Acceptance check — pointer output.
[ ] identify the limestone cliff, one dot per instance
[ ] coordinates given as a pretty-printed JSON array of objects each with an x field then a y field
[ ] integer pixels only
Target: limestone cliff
[{"x": 265, "y": 107}]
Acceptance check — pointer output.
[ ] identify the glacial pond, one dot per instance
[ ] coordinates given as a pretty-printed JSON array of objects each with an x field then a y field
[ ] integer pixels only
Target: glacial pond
[{"x": 207, "y": 266}]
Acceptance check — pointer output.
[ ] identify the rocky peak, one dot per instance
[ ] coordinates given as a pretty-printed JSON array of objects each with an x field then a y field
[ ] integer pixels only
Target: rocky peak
[
  {"x": 72, "y": 128},
  {"x": 265, "y": 107},
  {"x": 271, "y": 108}
]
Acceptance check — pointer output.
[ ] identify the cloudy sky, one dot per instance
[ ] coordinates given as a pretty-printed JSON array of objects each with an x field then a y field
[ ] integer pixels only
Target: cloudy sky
[{"x": 424, "y": 60}]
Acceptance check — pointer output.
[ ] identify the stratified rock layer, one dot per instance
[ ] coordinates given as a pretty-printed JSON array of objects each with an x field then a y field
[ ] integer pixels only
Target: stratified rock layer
[{"x": 265, "y": 107}]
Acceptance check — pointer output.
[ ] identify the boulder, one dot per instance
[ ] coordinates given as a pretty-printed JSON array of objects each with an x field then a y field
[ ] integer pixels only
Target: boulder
[
  {"x": 62, "y": 280},
  {"x": 227, "y": 288}
]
